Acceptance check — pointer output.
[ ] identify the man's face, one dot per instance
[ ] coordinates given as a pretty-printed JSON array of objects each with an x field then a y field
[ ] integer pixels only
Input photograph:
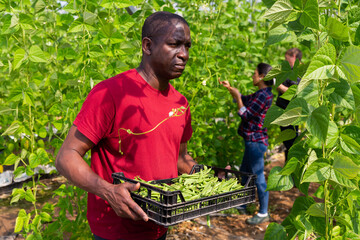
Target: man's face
[
  {"x": 170, "y": 51},
  {"x": 290, "y": 59}
]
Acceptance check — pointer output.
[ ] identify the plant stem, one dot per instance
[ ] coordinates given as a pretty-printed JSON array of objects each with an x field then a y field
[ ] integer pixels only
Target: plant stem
[{"x": 325, "y": 209}]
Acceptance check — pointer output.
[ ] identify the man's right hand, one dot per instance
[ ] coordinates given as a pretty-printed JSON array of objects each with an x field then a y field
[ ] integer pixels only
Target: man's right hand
[{"x": 119, "y": 198}]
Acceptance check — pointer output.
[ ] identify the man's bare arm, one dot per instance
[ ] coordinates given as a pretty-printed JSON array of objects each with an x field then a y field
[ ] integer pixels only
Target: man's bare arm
[
  {"x": 70, "y": 163},
  {"x": 185, "y": 162}
]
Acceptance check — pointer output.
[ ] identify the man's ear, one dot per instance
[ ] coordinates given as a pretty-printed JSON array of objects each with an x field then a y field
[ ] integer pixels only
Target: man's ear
[
  {"x": 146, "y": 46},
  {"x": 261, "y": 76}
]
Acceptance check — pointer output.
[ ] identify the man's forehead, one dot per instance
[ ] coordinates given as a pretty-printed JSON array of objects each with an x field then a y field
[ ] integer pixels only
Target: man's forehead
[{"x": 178, "y": 31}]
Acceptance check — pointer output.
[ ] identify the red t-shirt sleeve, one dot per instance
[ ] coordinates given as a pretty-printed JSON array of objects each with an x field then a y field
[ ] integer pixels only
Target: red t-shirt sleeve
[
  {"x": 188, "y": 129},
  {"x": 97, "y": 113}
]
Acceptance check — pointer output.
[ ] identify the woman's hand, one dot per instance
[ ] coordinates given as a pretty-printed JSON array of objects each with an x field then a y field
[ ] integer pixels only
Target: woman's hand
[
  {"x": 224, "y": 83},
  {"x": 233, "y": 91}
]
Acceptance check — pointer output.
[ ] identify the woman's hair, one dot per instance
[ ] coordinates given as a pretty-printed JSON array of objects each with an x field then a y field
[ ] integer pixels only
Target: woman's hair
[{"x": 264, "y": 68}]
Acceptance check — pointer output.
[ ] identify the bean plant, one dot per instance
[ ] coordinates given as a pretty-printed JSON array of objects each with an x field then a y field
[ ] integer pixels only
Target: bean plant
[
  {"x": 53, "y": 52},
  {"x": 326, "y": 104}
]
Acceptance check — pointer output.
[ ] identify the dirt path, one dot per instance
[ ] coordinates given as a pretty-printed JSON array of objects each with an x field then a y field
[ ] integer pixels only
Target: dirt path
[{"x": 223, "y": 226}]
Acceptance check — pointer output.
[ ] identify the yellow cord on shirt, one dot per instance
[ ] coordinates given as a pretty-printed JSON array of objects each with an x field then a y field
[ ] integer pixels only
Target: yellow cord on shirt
[{"x": 175, "y": 112}]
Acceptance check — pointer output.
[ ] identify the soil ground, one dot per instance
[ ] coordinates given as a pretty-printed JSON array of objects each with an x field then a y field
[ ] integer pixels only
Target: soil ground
[{"x": 225, "y": 226}]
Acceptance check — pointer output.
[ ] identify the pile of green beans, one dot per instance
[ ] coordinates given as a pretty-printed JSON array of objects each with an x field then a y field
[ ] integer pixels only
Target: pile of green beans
[{"x": 194, "y": 186}]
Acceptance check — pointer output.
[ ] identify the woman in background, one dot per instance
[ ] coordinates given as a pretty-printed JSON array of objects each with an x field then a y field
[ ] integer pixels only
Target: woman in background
[{"x": 252, "y": 109}]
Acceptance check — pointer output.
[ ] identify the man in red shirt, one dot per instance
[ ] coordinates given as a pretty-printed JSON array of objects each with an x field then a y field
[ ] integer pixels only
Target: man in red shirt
[{"x": 135, "y": 123}]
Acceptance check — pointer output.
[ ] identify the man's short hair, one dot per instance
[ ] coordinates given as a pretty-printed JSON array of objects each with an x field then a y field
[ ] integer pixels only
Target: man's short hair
[
  {"x": 294, "y": 52},
  {"x": 158, "y": 23}
]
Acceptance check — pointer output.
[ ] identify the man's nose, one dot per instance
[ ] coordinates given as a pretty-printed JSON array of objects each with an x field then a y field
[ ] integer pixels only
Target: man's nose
[{"x": 183, "y": 53}]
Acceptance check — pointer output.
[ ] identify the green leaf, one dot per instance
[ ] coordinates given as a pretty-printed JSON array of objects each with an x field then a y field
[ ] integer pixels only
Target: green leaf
[
  {"x": 302, "y": 222},
  {"x": 298, "y": 151},
  {"x": 13, "y": 128},
  {"x": 77, "y": 26},
  {"x": 316, "y": 210},
  {"x": 349, "y": 234},
  {"x": 275, "y": 232},
  {"x": 320, "y": 192},
  {"x": 353, "y": 132},
  {"x": 17, "y": 194},
  {"x": 119, "y": 3},
  {"x": 351, "y": 63},
  {"x": 36, "y": 54},
  {"x": 29, "y": 171},
  {"x": 5, "y": 110},
  {"x": 347, "y": 222},
  {"x": 322, "y": 66},
  {"x": 19, "y": 58},
  {"x": 18, "y": 171},
  {"x": 326, "y": 4},
  {"x": 332, "y": 135},
  {"x": 34, "y": 161},
  {"x": 288, "y": 117},
  {"x": 345, "y": 166},
  {"x": 36, "y": 222},
  {"x": 337, "y": 30},
  {"x": 29, "y": 196},
  {"x": 39, "y": 6},
  {"x": 356, "y": 93},
  {"x": 290, "y": 92},
  {"x": 20, "y": 220},
  {"x": 339, "y": 178},
  {"x": 42, "y": 132},
  {"x": 26, "y": 21},
  {"x": 27, "y": 100},
  {"x": 349, "y": 144},
  {"x": 14, "y": 21},
  {"x": 342, "y": 94},
  {"x": 317, "y": 172},
  {"x": 285, "y": 135},
  {"x": 43, "y": 156},
  {"x": 273, "y": 113},
  {"x": 357, "y": 36},
  {"x": 278, "y": 182},
  {"x": 89, "y": 17},
  {"x": 280, "y": 34},
  {"x": 45, "y": 217},
  {"x": 10, "y": 160},
  {"x": 269, "y": 3},
  {"x": 290, "y": 167},
  {"x": 280, "y": 11},
  {"x": 299, "y": 102},
  {"x": 310, "y": 15},
  {"x": 318, "y": 123}
]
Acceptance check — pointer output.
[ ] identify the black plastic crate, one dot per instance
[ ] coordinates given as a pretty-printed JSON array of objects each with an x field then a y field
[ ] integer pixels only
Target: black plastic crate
[{"x": 168, "y": 211}]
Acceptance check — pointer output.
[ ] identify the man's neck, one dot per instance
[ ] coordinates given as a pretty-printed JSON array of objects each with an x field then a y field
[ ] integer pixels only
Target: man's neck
[{"x": 149, "y": 76}]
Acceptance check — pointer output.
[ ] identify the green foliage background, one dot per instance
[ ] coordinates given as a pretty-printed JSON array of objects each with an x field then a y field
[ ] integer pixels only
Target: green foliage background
[{"x": 52, "y": 53}]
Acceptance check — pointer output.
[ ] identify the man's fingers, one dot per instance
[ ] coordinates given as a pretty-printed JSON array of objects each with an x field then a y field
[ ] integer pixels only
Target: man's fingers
[
  {"x": 135, "y": 211},
  {"x": 131, "y": 186}
]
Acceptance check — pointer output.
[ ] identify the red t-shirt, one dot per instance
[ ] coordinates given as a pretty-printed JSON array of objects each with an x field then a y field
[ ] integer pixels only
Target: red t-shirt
[{"x": 128, "y": 101}]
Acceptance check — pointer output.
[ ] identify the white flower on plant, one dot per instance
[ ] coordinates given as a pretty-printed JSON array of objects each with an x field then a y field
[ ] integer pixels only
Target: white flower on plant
[
  {"x": 203, "y": 83},
  {"x": 171, "y": 113}
]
